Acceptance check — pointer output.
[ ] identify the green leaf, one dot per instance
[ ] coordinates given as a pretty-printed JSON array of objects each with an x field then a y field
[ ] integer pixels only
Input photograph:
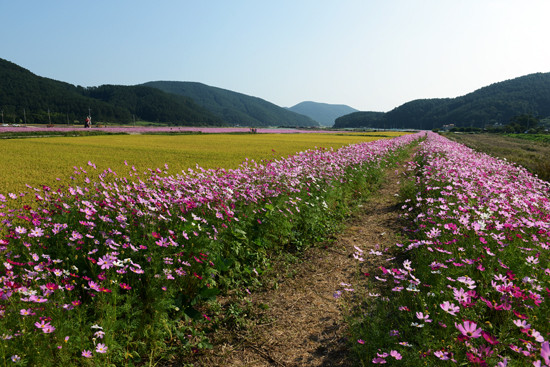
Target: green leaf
[
  {"x": 209, "y": 294},
  {"x": 192, "y": 313},
  {"x": 223, "y": 264}
]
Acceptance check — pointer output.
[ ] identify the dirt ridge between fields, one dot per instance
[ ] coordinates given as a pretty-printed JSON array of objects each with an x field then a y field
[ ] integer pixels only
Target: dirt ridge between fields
[{"x": 304, "y": 324}]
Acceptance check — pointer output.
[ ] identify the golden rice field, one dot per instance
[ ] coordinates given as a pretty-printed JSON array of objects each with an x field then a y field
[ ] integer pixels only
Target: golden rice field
[{"x": 41, "y": 161}]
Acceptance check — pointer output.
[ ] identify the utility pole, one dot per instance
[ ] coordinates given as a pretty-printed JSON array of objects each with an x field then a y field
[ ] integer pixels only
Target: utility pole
[
  {"x": 49, "y": 119},
  {"x": 25, "y": 117},
  {"x": 2, "y": 117},
  {"x": 134, "y": 117}
]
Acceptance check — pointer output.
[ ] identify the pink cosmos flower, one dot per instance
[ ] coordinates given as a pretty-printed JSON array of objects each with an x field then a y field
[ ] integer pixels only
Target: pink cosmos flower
[
  {"x": 87, "y": 353},
  {"x": 27, "y": 312},
  {"x": 36, "y": 232},
  {"x": 423, "y": 317},
  {"x": 395, "y": 354},
  {"x": 545, "y": 352},
  {"x": 41, "y": 324},
  {"x": 522, "y": 324},
  {"x": 101, "y": 348},
  {"x": 450, "y": 308},
  {"x": 379, "y": 361},
  {"x": 105, "y": 262},
  {"x": 48, "y": 329},
  {"x": 490, "y": 338},
  {"x": 20, "y": 230},
  {"x": 469, "y": 329}
]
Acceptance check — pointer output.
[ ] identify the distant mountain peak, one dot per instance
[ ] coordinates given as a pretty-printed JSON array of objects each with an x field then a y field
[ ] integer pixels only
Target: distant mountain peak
[{"x": 323, "y": 113}]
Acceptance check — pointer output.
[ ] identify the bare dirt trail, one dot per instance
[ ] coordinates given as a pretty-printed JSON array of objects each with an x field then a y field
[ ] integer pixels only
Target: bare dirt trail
[{"x": 303, "y": 323}]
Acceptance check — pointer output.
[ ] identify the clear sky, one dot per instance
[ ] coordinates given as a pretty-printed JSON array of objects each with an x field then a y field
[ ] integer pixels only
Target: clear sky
[{"x": 370, "y": 55}]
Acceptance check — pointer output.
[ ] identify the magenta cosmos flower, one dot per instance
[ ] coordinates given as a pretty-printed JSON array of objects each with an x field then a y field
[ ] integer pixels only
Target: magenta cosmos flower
[{"x": 469, "y": 329}]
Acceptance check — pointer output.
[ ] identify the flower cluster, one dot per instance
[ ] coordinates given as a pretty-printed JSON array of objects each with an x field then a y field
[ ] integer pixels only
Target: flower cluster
[{"x": 478, "y": 255}]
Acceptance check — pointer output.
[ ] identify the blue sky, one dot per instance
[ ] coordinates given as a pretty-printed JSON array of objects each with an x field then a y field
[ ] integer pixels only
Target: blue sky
[{"x": 370, "y": 55}]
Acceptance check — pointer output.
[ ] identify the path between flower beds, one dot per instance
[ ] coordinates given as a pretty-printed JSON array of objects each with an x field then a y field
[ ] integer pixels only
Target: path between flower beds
[{"x": 304, "y": 323}]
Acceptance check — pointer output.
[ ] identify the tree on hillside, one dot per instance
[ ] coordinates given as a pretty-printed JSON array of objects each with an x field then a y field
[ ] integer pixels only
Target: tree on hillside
[{"x": 526, "y": 119}]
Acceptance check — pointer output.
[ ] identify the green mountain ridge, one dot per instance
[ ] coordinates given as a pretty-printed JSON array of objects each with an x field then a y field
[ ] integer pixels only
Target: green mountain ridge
[
  {"x": 26, "y": 95},
  {"x": 492, "y": 104},
  {"x": 235, "y": 108},
  {"x": 324, "y": 113}
]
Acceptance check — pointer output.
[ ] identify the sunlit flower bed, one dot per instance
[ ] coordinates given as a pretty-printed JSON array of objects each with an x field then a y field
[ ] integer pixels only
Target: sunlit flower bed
[
  {"x": 473, "y": 279},
  {"x": 112, "y": 268}
]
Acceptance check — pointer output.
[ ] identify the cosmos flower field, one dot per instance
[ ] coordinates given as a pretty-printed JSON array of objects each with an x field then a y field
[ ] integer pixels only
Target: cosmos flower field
[
  {"x": 470, "y": 283},
  {"x": 114, "y": 268}
]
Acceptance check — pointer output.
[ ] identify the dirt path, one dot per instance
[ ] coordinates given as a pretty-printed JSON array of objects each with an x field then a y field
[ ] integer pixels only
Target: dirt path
[{"x": 302, "y": 324}]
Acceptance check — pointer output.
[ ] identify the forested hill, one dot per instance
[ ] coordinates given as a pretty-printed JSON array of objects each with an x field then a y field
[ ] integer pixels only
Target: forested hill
[
  {"x": 235, "y": 108},
  {"x": 360, "y": 119},
  {"x": 323, "y": 113},
  {"x": 495, "y": 103},
  {"x": 21, "y": 90}
]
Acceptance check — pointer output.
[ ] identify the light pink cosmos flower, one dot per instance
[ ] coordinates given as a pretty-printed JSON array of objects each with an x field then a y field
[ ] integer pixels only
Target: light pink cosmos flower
[
  {"x": 469, "y": 329},
  {"x": 24, "y": 312},
  {"x": 101, "y": 348},
  {"x": 99, "y": 334},
  {"x": 48, "y": 329},
  {"x": 20, "y": 230},
  {"x": 395, "y": 354},
  {"x": 36, "y": 232},
  {"x": 423, "y": 317},
  {"x": 105, "y": 262},
  {"x": 522, "y": 324},
  {"x": 545, "y": 352},
  {"x": 450, "y": 308},
  {"x": 87, "y": 353}
]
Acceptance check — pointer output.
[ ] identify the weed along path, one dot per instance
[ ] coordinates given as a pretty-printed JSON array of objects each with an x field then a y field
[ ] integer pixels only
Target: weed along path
[{"x": 299, "y": 320}]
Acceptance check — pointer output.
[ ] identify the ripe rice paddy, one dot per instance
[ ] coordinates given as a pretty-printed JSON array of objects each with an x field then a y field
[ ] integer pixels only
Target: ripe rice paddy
[{"x": 42, "y": 161}]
